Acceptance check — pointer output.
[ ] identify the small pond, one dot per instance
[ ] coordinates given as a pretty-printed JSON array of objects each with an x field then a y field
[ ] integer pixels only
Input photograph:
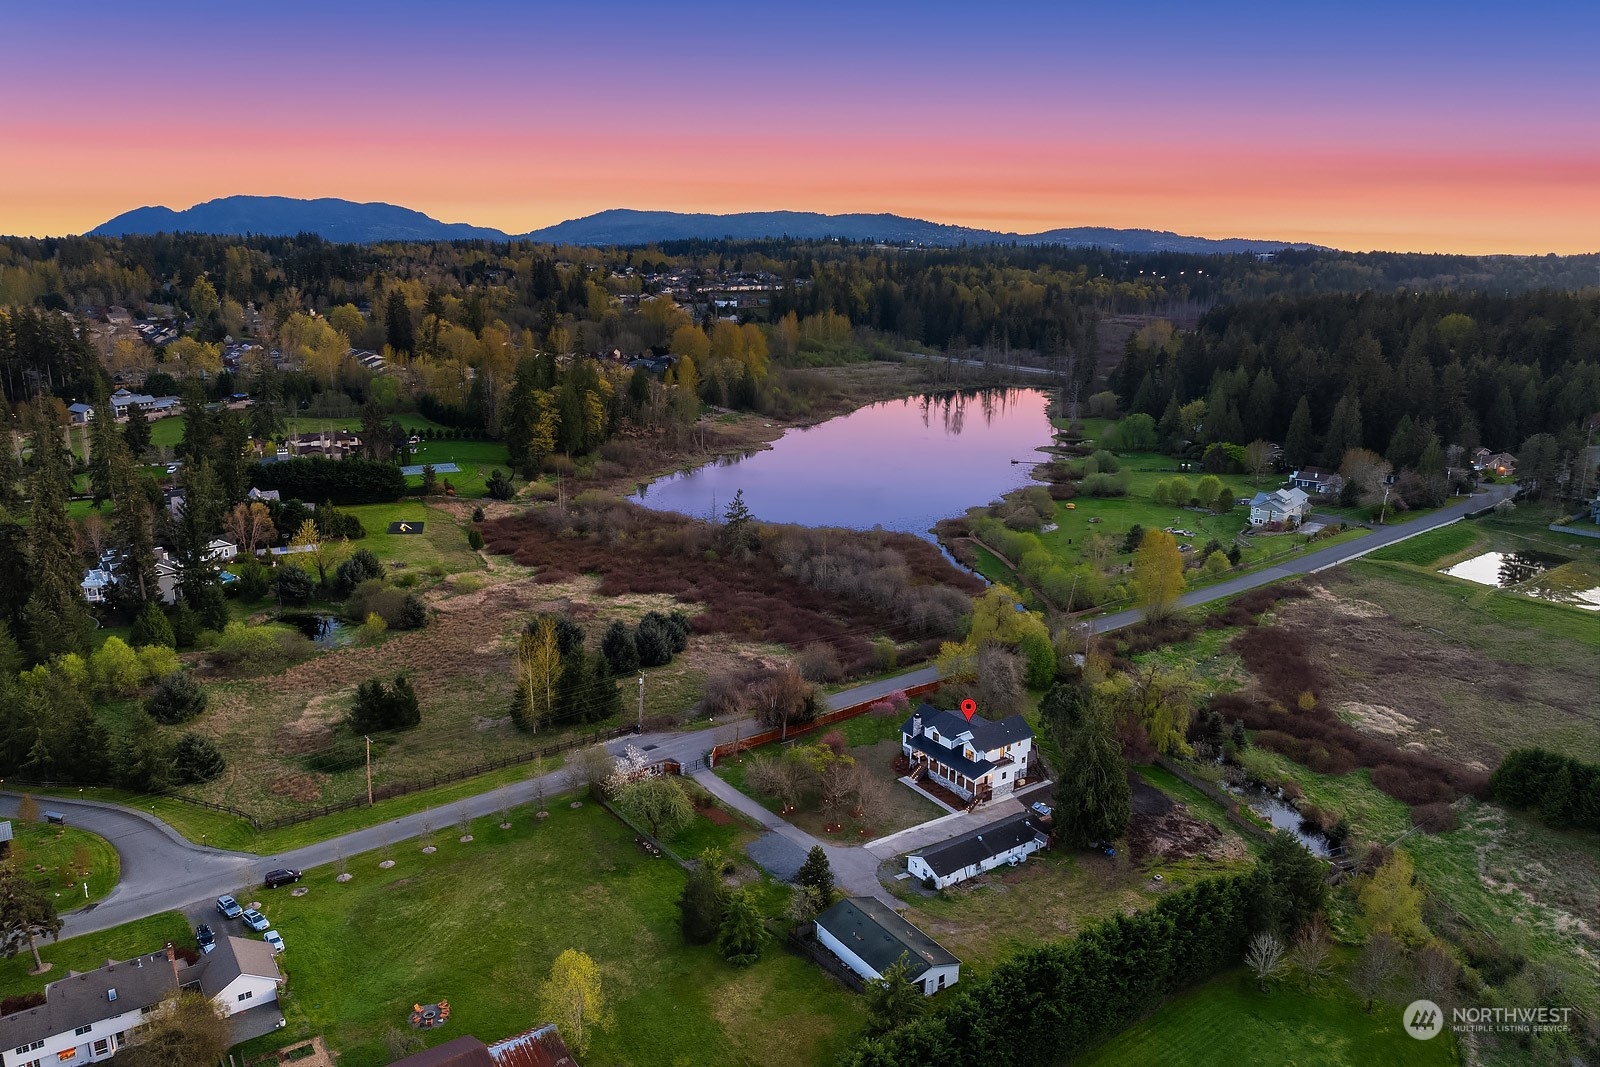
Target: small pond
[
  {"x": 1545, "y": 577},
  {"x": 1283, "y": 816},
  {"x": 325, "y": 631},
  {"x": 902, "y": 464}
]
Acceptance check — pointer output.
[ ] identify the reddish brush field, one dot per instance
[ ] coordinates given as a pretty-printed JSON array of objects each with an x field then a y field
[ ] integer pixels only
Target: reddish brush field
[{"x": 634, "y": 550}]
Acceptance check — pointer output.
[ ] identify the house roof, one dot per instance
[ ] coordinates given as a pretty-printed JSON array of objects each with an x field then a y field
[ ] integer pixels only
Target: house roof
[
  {"x": 79, "y": 999},
  {"x": 986, "y": 734},
  {"x": 1314, "y": 474},
  {"x": 982, "y": 843},
  {"x": 540, "y": 1047},
  {"x": 232, "y": 957},
  {"x": 1280, "y": 499},
  {"x": 868, "y": 928},
  {"x": 950, "y": 757},
  {"x": 463, "y": 1051}
]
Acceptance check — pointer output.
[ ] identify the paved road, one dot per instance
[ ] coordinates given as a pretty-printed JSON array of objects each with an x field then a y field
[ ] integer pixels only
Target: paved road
[
  {"x": 1322, "y": 558},
  {"x": 162, "y": 871}
]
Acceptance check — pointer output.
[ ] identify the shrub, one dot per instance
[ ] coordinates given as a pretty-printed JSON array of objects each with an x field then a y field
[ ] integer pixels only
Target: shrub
[
  {"x": 819, "y": 662},
  {"x": 260, "y": 648},
  {"x": 474, "y": 540},
  {"x": 295, "y": 586},
  {"x": 196, "y": 759},
  {"x": 381, "y": 707},
  {"x": 116, "y": 668},
  {"x": 176, "y": 699},
  {"x": 413, "y": 614},
  {"x": 618, "y": 647},
  {"x": 150, "y": 627},
  {"x": 361, "y": 567},
  {"x": 158, "y": 661}
]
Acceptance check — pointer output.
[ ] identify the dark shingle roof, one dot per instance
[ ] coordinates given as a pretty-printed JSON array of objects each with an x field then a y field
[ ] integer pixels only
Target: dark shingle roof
[
  {"x": 78, "y": 999},
  {"x": 950, "y": 757},
  {"x": 868, "y": 928},
  {"x": 986, "y": 734},
  {"x": 982, "y": 843},
  {"x": 463, "y": 1051}
]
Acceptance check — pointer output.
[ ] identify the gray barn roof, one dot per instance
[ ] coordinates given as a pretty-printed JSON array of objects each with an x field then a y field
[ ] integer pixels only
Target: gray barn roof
[
  {"x": 868, "y": 928},
  {"x": 980, "y": 844}
]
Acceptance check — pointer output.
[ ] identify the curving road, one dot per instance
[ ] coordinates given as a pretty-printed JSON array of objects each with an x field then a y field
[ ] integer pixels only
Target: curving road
[{"x": 162, "y": 871}]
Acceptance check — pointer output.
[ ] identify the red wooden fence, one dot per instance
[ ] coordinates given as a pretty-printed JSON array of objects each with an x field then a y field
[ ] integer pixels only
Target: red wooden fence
[{"x": 766, "y": 737}]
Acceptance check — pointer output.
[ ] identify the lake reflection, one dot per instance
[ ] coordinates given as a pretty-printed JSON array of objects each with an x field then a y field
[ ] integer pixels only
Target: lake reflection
[
  {"x": 901, "y": 464},
  {"x": 1503, "y": 569}
]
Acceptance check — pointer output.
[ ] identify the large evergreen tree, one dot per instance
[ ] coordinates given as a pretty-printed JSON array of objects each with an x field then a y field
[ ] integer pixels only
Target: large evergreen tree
[{"x": 55, "y": 616}]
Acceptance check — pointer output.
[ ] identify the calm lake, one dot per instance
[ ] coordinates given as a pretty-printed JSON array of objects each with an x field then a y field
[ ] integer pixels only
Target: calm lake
[
  {"x": 1545, "y": 577},
  {"x": 902, "y": 464}
]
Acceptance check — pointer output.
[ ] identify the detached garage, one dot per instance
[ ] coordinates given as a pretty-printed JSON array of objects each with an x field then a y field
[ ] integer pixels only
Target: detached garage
[
  {"x": 1010, "y": 840},
  {"x": 868, "y": 937}
]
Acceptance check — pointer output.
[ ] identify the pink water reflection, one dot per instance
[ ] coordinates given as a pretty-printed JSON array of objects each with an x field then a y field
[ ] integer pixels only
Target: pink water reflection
[{"x": 902, "y": 464}]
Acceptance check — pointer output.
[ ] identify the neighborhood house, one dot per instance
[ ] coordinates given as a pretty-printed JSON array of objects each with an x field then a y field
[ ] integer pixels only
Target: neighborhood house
[
  {"x": 1317, "y": 481},
  {"x": 977, "y": 759},
  {"x": 1011, "y": 840},
  {"x": 1286, "y": 507},
  {"x": 868, "y": 938},
  {"x": 88, "y": 1017}
]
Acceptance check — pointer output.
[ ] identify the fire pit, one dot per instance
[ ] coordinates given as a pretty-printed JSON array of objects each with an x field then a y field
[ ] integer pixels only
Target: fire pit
[{"x": 430, "y": 1016}]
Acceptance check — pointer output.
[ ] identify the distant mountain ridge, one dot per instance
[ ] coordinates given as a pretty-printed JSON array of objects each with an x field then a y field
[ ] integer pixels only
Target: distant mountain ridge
[{"x": 348, "y": 221}]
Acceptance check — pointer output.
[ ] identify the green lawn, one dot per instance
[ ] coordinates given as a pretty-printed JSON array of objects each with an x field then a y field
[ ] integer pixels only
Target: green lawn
[
  {"x": 68, "y": 858},
  {"x": 479, "y": 924},
  {"x": 477, "y": 460},
  {"x": 441, "y": 547},
  {"x": 92, "y": 950},
  {"x": 1427, "y": 549},
  {"x": 1228, "y": 1022}
]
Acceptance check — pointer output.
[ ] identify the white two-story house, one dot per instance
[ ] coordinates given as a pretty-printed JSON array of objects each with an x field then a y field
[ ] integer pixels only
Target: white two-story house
[
  {"x": 87, "y": 1017},
  {"x": 977, "y": 759}
]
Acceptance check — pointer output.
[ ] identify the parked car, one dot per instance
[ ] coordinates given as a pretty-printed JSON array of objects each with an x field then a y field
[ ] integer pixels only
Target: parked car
[
  {"x": 254, "y": 919},
  {"x": 205, "y": 938},
  {"x": 1040, "y": 808},
  {"x": 271, "y": 937},
  {"x": 282, "y": 876},
  {"x": 229, "y": 907}
]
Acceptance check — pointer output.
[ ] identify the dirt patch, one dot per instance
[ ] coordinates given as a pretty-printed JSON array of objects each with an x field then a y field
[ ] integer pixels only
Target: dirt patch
[
  {"x": 1179, "y": 835},
  {"x": 1147, "y": 799},
  {"x": 302, "y": 787},
  {"x": 716, "y": 816},
  {"x": 314, "y": 728}
]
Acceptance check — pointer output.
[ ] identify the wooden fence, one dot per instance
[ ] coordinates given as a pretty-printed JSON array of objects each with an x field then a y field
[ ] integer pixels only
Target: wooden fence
[{"x": 766, "y": 737}]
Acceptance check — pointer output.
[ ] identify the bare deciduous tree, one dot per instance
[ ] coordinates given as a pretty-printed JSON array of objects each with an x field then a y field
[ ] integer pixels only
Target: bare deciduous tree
[
  {"x": 1375, "y": 968},
  {"x": 1265, "y": 957},
  {"x": 1309, "y": 953}
]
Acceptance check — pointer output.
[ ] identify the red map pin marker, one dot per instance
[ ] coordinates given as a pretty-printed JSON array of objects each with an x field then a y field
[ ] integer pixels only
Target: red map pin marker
[{"x": 969, "y": 708}]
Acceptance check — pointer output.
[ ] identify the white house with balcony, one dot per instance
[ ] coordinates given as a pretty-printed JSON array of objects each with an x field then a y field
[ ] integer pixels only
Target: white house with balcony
[{"x": 977, "y": 758}]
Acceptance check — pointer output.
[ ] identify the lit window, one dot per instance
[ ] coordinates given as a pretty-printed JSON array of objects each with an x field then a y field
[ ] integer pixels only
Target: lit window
[{"x": 63, "y": 1057}]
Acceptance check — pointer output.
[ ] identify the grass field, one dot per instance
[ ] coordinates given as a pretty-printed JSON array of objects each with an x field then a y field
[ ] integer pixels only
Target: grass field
[
  {"x": 874, "y": 742},
  {"x": 1228, "y": 1022},
  {"x": 92, "y": 950},
  {"x": 477, "y": 460},
  {"x": 1525, "y": 888},
  {"x": 1433, "y": 547},
  {"x": 68, "y": 857},
  {"x": 479, "y": 924},
  {"x": 442, "y": 546}
]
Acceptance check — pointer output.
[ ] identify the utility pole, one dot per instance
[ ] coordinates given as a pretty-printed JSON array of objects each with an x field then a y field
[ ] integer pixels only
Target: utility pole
[
  {"x": 639, "y": 728},
  {"x": 368, "y": 740}
]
